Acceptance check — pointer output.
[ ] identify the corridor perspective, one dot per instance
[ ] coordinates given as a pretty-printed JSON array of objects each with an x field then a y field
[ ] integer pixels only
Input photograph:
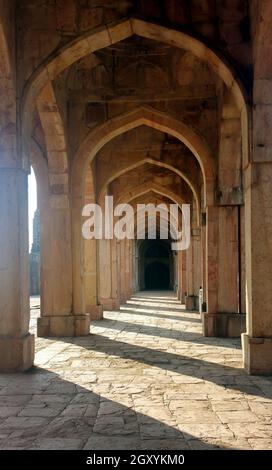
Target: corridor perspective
[{"x": 146, "y": 378}]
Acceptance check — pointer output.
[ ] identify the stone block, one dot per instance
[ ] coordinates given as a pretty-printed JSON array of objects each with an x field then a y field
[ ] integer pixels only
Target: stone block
[
  {"x": 111, "y": 304},
  {"x": 16, "y": 354},
  {"x": 191, "y": 302},
  {"x": 64, "y": 326},
  {"x": 95, "y": 312},
  {"x": 257, "y": 355},
  {"x": 224, "y": 325}
]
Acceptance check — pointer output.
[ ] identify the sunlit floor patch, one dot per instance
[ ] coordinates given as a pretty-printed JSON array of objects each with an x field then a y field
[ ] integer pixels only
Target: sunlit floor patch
[{"x": 142, "y": 380}]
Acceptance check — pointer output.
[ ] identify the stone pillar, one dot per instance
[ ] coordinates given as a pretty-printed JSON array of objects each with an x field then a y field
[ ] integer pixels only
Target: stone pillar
[
  {"x": 16, "y": 344},
  {"x": 124, "y": 270},
  {"x": 130, "y": 289},
  {"x": 115, "y": 294},
  {"x": 58, "y": 318},
  {"x": 257, "y": 341},
  {"x": 179, "y": 275},
  {"x": 132, "y": 267},
  {"x": 89, "y": 295},
  {"x": 90, "y": 280},
  {"x": 203, "y": 263},
  {"x": 196, "y": 240},
  {"x": 184, "y": 275},
  {"x": 222, "y": 274},
  {"x": 242, "y": 261},
  {"x": 193, "y": 271},
  {"x": 108, "y": 275}
]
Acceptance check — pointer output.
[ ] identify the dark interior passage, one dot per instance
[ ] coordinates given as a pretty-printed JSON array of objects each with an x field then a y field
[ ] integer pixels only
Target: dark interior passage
[
  {"x": 157, "y": 276},
  {"x": 156, "y": 265}
]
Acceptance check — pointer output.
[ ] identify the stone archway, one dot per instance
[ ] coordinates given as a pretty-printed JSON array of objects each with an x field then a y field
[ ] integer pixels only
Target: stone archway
[
  {"x": 111, "y": 34},
  {"x": 95, "y": 141},
  {"x": 82, "y": 46},
  {"x": 97, "y": 138}
]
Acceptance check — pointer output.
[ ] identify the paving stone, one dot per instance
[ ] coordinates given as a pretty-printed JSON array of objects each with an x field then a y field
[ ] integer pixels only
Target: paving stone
[
  {"x": 261, "y": 444},
  {"x": 69, "y": 426},
  {"x": 44, "y": 411},
  {"x": 14, "y": 400},
  {"x": 205, "y": 430},
  {"x": 165, "y": 444},
  {"x": 243, "y": 416},
  {"x": 111, "y": 425},
  {"x": 229, "y": 405},
  {"x": 251, "y": 430},
  {"x": 57, "y": 444},
  {"x": 98, "y": 442},
  {"x": 9, "y": 411}
]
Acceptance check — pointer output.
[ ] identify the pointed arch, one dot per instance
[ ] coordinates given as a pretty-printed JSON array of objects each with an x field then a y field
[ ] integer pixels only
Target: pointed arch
[
  {"x": 144, "y": 115},
  {"x": 113, "y": 33},
  {"x": 154, "y": 162}
]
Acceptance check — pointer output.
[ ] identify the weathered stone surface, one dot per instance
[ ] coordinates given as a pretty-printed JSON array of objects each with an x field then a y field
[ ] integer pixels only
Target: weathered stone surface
[{"x": 214, "y": 405}]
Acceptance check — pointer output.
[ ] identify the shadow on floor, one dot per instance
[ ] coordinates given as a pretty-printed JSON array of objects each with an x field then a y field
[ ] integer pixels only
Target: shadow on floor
[
  {"x": 152, "y": 312},
  {"x": 60, "y": 414},
  {"x": 167, "y": 333},
  {"x": 225, "y": 376}
]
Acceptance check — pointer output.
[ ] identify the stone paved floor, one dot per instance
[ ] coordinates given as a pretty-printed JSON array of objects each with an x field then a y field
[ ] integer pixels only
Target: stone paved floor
[{"x": 144, "y": 379}]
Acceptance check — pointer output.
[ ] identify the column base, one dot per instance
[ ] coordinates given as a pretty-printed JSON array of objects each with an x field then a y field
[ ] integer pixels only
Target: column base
[
  {"x": 257, "y": 355},
  {"x": 224, "y": 325},
  {"x": 16, "y": 354},
  {"x": 110, "y": 304},
  {"x": 182, "y": 297},
  {"x": 191, "y": 302},
  {"x": 95, "y": 312},
  {"x": 63, "y": 326}
]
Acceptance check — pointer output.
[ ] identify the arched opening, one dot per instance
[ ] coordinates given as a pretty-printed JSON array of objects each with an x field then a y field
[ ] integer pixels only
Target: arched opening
[
  {"x": 34, "y": 236},
  {"x": 68, "y": 183},
  {"x": 156, "y": 267}
]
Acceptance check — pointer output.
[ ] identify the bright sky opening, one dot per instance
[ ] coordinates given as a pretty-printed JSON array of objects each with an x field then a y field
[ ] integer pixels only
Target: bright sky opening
[{"x": 32, "y": 204}]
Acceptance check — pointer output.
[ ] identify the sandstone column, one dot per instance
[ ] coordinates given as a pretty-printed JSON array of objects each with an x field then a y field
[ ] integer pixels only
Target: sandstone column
[
  {"x": 203, "y": 262},
  {"x": 16, "y": 344},
  {"x": 184, "y": 276},
  {"x": 108, "y": 275},
  {"x": 257, "y": 342},
  {"x": 222, "y": 273},
  {"x": 90, "y": 280},
  {"x": 193, "y": 264},
  {"x": 125, "y": 291},
  {"x": 58, "y": 315},
  {"x": 179, "y": 275}
]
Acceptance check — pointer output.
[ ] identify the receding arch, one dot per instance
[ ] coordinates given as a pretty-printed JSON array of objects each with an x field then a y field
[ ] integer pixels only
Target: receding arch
[
  {"x": 113, "y": 33},
  {"x": 53, "y": 128},
  {"x": 145, "y": 188},
  {"x": 40, "y": 167},
  {"x": 144, "y": 115},
  {"x": 107, "y": 35},
  {"x": 154, "y": 162},
  {"x": 141, "y": 217}
]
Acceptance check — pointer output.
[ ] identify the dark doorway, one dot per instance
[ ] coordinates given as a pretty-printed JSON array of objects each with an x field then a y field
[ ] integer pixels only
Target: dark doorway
[
  {"x": 156, "y": 265},
  {"x": 157, "y": 276}
]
